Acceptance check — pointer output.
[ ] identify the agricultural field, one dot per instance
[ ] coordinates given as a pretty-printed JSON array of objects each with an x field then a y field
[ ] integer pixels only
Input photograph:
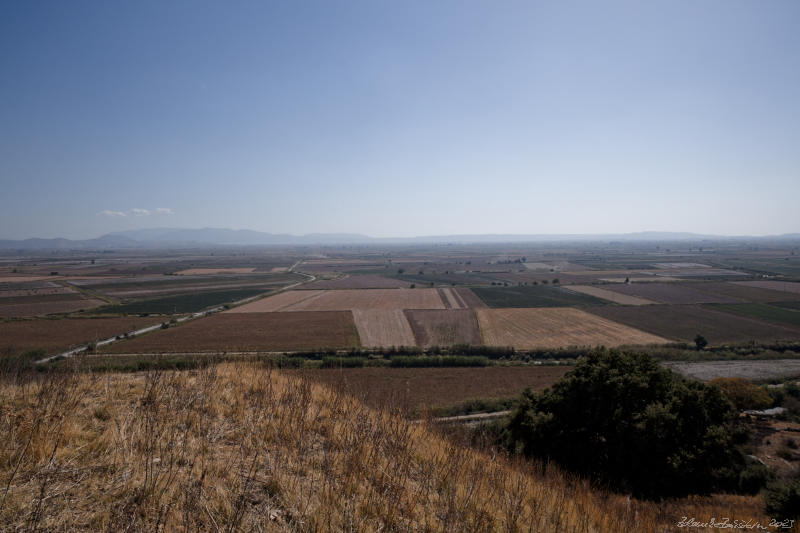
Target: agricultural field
[
  {"x": 782, "y": 286},
  {"x": 556, "y": 327},
  {"x": 670, "y": 293},
  {"x": 378, "y": 328},
  {"x": 29, "y": 306},
  {"x": 433, "y": 327},
  {"x": 184, "y": 303},
  {"x": 751, "y": 370},
  {"x": 684, "y": 322},
  {"x": 611, "y": 296},
  {"x": 358, "y": 281},
  {"x": 744, "y": 293},
  {"x": 221, "y": 270},
  {"x": 452, "y": 298},
  {"x": 346, "y": 299},
  {"x": 248, "y": 332},
  {"x": 536, "y": 296},
  {"x": 57, "y": 335},
  {"x": 762, "y": 311},
  {"x": 417, "y": 389}
]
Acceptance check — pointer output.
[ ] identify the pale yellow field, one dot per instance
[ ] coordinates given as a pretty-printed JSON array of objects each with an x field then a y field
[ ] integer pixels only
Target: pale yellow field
[
  {"x": 201, "y": 271},
  {"x": 452, "y": 299},
  {"x": 555, "y": 327},
  {"x": 346, "y": 299},
  {"x": 611, "y": 296},
  {"x": 383, "y": 328}
]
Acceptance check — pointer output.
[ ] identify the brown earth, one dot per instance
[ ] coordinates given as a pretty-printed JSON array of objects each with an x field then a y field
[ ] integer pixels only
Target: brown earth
[
  {"x": 433, "y": 327},
  {"x": 684, "y": 322},
  {"x": 671, "y": 293},
  {"x": 47, "y": 308},
  {"x": 783, "y": 286},
  {"x": 56, "y": 335},
  {"x": 611, "y": 296},
  {"x": 745, "y": 293},
  {"x": 554, "y": 327},
  {"x": 469, "y": 298},
  {"x": 203, "y": 271},
  {"x": 420, "y": 388},
  {"x": 346, "y": 299},
  {"x": 358, "y": 281},
  {"x": 248, "y": 332}
]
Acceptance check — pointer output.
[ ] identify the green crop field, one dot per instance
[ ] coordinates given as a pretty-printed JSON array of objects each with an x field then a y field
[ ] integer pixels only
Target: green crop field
[
  {"x": 185, "y": 303},
  {"x": 534, "y": 296},
  {"x": 766, "y": 312}
]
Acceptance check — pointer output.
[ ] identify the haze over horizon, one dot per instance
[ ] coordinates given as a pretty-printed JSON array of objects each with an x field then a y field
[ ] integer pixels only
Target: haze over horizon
[{"x": 396, "y": 120}]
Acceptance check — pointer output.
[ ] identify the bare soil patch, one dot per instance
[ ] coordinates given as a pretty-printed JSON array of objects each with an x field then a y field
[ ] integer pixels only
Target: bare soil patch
[
  {"x": 359, "y": 281},
  {"x": 783, "y": 286},
  {"x": 346, "y": 299},
  {"x": 56, "y": 335},
  {"x": 444, "y": 327},
  {"x": 204, "y": 271},
  {"x": 752, "y": 370},
  {"x": 419, "y": 388},
  {"x": 611, "y": 296},
  {"x": 248, "y": 332},
  {"x": 684, "y": 322},
  {"x": 47, "y": 308},
  {"x": 528, "y": 328},
  {"x": 671, "y": 293}
]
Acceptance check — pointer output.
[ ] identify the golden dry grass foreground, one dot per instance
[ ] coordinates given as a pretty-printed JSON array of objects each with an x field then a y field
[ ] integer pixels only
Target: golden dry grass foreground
[{"x": 239, "y": 447}]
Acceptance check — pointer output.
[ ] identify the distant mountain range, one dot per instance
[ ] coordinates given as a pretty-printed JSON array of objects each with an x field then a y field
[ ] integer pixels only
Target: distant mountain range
[{"x": 192, "y": 238}]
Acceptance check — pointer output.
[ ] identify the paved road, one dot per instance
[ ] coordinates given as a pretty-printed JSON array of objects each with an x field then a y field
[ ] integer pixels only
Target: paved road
[{"x": 199, "y": 314}]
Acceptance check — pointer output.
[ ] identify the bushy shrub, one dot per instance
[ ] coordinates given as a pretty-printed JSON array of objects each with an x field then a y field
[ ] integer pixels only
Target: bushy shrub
[
  {"x": 742, "y": 393},
  {"x": 782, "y": 499},
  {"x": 624, "y": 420}
]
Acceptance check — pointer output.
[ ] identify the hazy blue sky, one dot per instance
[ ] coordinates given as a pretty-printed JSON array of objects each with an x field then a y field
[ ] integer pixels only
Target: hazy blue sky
[{"x": 400, "y": 118}]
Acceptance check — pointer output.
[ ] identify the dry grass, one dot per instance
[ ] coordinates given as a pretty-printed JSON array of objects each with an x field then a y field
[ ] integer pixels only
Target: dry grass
[
  {"x": 242, "y": 448},
  {"x": 202, "y": 271},
  {"x": 383, "y": 328},
  {"x": 555, "y": 327}
]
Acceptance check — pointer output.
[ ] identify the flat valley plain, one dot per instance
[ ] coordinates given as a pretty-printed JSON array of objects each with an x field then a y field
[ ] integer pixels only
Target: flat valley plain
[{"x": 299, "y": 299}]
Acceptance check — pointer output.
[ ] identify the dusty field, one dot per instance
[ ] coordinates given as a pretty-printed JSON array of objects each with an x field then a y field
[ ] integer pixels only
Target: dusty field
[
  {"x": 39, "y": 291},
  {"x": 683, "y": 322},
  {"x": 346, "y": 299},
  {"x": 383, "y": 328},
  {"x": 444, "y": 328},
  {"x": 671, "y": 293},
  {"x": 47, "y": 308},
  {"x": 470, "y": 299},
  {"x": 611, "y": 296},
  {"x": 640, "y": 279},
  {"x": 24, "y": 279},
  {"x": 60, "y": 334},
  {"x": 420, "y": 388},
  {"x": 358, "y": 281},
  {"x": 555, "y": 327},
  {"x": 753, "y": 370},
  {"x": 744, "y": 293},
  {"x": 783, "y": 286},
  {"x": 248, "y": 332},
  {"x": 278, "y": 302},
  {"x": 452, "y": 299},
  {"x": 204, "y": 271}
]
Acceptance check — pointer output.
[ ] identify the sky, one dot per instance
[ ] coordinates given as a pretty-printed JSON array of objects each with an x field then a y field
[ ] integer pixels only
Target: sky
[{"x": 400, "y": 118}]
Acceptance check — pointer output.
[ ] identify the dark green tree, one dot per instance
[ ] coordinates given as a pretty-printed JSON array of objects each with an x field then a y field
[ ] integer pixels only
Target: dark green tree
[
  {"x": 700, "y": 342},
  {"x": 624, "y": 420}
]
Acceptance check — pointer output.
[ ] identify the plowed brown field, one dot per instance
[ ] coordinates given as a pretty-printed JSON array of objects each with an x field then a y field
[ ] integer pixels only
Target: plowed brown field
[
  {"x": 444, "y": 328},
  {"x": 783, "y": 286},
  {"x": 248, "y": 332},
  {"x": 383, "y": 328},
  {"x": 555, "y": 327},
  {"x": 611, "y": 296},
  {"x": 365, "y": 281},
  {"x": 58, "y": 335}
]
